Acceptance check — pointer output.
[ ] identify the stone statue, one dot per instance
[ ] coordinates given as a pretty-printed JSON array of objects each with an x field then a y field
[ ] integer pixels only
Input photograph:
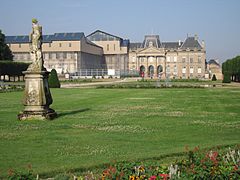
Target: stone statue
[
  {"x": 35, "y": 39},
  {"x": 37, "y": 95}
]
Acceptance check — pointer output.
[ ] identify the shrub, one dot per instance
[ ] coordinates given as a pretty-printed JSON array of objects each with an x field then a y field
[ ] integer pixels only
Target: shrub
[
  {"x": 214, "y": 77},
  {"x": 53, "y": 79},
  {"x": 226, "y": 78}
]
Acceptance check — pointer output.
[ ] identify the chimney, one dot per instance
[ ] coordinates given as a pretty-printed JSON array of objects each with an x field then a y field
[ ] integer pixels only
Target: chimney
[{"x": 179, "y": 42}]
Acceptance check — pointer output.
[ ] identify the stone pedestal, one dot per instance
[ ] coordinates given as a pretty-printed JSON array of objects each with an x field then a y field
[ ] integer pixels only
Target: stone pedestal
[{"x": 37, "y": 97}]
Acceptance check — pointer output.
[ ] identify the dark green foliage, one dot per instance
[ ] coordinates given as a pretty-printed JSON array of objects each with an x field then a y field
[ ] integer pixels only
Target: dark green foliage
[
  {"x": 53, "y": 79},
  {"x": 231, "y": 69},
  {"x": 12, "y": 68},
  {"x": 5, "y": 52},
  {"x": 26, "y": 175},
  {"x": 214, "y": 77},
  {"x": 226, "y": 78}
]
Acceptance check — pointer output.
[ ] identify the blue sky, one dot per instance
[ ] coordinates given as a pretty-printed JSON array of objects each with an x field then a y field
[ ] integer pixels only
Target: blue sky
[{"x": 215, "y": 21}]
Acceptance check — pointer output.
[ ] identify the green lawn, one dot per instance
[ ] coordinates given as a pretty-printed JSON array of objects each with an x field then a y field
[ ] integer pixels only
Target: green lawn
[{"x": 97, "y": 126}]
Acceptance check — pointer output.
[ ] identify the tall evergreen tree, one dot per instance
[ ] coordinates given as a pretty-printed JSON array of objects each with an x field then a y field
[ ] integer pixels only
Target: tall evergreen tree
[
  {"x": 53, "y": 79},
  {"x": 5, "y": 52}
]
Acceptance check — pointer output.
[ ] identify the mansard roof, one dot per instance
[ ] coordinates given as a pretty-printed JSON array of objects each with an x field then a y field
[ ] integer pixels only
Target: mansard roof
[
  {"x": 191, "y": 42},
  {"x": 46, "y": 38},
  {"x": 151, "y": 40},
  {"x": 172, "y": 45},
  {"x": 135, "y": 46}
]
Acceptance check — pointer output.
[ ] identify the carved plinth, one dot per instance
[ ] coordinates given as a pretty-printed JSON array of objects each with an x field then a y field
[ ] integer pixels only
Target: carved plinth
[{"x": 37, "y": 97}]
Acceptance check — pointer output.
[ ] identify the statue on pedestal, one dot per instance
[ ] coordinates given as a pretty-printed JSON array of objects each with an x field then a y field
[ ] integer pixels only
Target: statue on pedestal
[
  {"x": 35, "y": 39},
  {"x": 37, "y": 96}
]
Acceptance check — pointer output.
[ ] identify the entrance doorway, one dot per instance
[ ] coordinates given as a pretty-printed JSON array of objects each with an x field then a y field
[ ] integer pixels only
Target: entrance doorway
[
  {"x": 159, "y": 71},
  {"x": 151, "y": 71},
  {"x": 142, "y": 71}
]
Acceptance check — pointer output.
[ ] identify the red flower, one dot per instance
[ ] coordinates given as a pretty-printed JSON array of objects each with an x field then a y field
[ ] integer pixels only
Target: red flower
[
  {"x": 153, "y": 178},
  {"x": 165, "y": 176},
  {"x": 235, "y": 168}
]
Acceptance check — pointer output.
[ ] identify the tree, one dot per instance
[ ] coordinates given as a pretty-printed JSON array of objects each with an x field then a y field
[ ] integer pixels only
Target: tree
[
  {"x": 5, "y": 52},
  {"x": 214, "y": 77},
  {"x": 231, "y": 70},
  {"x": 226, "y": 78},
  {"x": 53, "y": 79}
]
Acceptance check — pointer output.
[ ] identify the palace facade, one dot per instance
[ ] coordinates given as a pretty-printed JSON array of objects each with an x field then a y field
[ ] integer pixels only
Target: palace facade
[{"x": 73, "y": 52}]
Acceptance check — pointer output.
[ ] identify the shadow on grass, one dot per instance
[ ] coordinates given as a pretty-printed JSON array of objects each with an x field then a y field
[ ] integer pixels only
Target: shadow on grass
[{"x": 72, "y": 112}]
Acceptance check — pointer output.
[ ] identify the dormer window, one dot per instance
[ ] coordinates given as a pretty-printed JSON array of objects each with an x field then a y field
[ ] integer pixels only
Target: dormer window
[{"x": 150, "y": 44}]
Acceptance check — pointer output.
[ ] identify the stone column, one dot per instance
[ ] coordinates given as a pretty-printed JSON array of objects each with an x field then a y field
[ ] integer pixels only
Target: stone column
[{"x": 155, "y": 69}]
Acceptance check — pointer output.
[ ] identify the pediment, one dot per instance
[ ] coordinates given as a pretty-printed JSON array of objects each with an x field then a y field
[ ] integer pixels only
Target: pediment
[{"x": 151, "y": 50}]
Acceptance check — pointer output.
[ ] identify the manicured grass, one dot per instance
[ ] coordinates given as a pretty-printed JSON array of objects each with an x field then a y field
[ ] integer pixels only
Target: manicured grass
[{"x": 97, "y": 126}]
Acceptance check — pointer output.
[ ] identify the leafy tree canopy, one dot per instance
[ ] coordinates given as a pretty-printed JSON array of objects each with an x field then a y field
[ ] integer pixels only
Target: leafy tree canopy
[{"x": 5, "y": 52}]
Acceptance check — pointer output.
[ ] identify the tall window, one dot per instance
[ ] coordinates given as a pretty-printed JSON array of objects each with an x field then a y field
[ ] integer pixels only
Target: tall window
[
  {"x": 60, "y": 44},
  {"x": 175, "y": 59},
  {"x": 19, "y": 45},
  {"x": 184, "y": 70},
  {"x": 70, "y": 45},
  {"x": 46, "y": 55},
  {"x": 107, "y": 47},
  {"x": 168, "y": 58},
  {"x": 49, "y": 44},
  {"x": 199, "y": 70},
  {"x": 175, "y": 69},
  {"x": 114, "y": 47},
  {"x": 168, "y": 69},
  {"x": 184, "y": 59},
  {"x": 57, "y": 55},
  {"x": 191, "y": 60},
  {"x": 191, "y": 70},
  {"x": 64, "y": 55},
  {"x": 199, "y": 59}
]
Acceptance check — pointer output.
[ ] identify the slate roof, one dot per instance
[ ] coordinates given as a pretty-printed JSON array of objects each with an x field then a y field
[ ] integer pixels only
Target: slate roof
[
  {"x": 46, "y": 38},
  {"x": 171, "y": 45},
  {"x": 99, "y": 31},
  {"x": 125, "y": 43},
  {"x": 212, "y": 61},
  {"x": 191, "y": 43},
  {"x": 135, "y": 46},
  {"x": 151, "y": 38}
]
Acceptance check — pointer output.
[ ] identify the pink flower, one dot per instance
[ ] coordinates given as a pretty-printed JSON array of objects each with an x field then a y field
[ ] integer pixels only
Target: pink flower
[{"x": 153, "y": 178}]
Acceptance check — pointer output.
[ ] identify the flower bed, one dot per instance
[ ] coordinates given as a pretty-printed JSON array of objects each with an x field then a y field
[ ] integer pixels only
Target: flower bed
[
  {"x": 213, "y": 164},
  {"x": 198, "y": 165}
]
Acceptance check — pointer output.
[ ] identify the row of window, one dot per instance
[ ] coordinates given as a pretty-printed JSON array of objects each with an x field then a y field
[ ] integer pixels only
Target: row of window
[
  {"x": 169, "y": 59},
  {"x": 114, "y": 47},
  {"x": 60, "y": 55},
  {"x": 184, "y": 70},
  {"x": 49, "y": 45},
  {"x": 57, "y": 55}
]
